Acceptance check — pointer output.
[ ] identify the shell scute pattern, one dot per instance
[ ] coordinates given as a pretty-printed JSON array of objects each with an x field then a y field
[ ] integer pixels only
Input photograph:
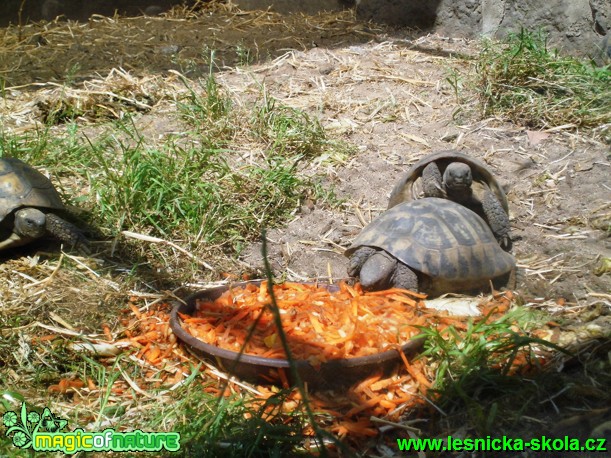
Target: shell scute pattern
[
  {"x": 439, "y": 238},
  {"x": 24, "y": 186},
  {"x": 31, "y": 207}
]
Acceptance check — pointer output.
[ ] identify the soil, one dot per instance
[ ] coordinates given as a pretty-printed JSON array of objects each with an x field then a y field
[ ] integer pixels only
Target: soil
[
  {"x": 384, "y": 92},
  {"x": 390, "y": 100}
]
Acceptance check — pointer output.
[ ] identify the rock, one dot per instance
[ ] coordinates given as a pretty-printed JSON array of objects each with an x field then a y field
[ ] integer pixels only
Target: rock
[
  {"x": 574, "y": 26},
  {"x": 605, "y": 47}
]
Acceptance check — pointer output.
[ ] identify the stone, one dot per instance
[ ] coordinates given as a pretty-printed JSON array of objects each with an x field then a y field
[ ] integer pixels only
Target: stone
[{"x": 574, "y": 26}]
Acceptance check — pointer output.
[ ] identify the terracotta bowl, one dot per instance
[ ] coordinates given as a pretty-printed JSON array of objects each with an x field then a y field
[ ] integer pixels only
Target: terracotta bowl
[{"x": 262, "y": 370}]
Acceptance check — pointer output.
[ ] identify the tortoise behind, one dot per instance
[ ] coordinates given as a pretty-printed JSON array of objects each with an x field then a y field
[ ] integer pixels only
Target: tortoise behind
[
  {"x": 29, "y": 208},
  {"x": 462, "y": 179}
]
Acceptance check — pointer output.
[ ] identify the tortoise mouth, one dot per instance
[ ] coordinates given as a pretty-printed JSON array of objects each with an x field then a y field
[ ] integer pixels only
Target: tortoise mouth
[{"x": 459, "y": 185}]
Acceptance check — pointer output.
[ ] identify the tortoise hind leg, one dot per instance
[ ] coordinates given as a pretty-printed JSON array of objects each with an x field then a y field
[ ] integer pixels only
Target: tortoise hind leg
[
  {"x": 67, "y": 232},
  {"x": 509, "y": 281},
  {"x": 432, "y": 181},
  {"x": 498, "y": 220}
]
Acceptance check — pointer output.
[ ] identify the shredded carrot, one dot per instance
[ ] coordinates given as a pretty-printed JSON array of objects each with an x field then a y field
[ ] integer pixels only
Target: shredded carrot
[
  {"x": 153, "y": 353},
  {"x": 403, "y": 299},
  {"x": 417, "y": 375},
  {"x": 66, "y": 385},
  {"x": 135, "y": 310},
  {"x": 392, "y": 291},
  {"x": 361, "y": 427},
  {"x": 45, "y": 338},
  {"x": 107, "y": 333},
  {"x": 365, "y": 405},
  {"x": 283, "y": 378},
  {"x": 320, "y": 325},
  {"x": 367, "y": 382}
]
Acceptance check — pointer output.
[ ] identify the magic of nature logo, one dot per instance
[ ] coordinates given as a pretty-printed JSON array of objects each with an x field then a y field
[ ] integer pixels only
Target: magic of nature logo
[{"x": 43, "y": 432}]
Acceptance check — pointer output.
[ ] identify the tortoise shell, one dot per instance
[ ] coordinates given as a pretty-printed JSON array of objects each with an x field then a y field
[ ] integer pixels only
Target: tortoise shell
[
  {"x": 24, "y": 186},
  {"x": 405, "y": 191},
  {"x": 442, "y": 239}
]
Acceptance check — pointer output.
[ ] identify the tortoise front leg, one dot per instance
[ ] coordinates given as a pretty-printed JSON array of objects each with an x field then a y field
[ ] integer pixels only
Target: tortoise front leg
[
  {"x": 498, "y": 219},
  {"x": 358, "y": 258},
  {"x": 405, "y": 278},
  {"x": 432, "y": 181},
  {"x": 378, "y": 271},
  {"x": 67, "y": 233}
]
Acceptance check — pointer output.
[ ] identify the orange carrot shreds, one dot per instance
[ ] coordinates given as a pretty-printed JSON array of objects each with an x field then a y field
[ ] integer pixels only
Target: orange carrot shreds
[
  {"x": 135, "y": 310},
  {"x": 107, "y": 332},
  {"x": 458, "y": 323},
  {"x": 44, "y": 338},
  {"x": 283, "y": 378},
  {"x": 392, "y": 291},
  {"x": 365, "y": 405},
  {"x": 405, "y": 300},
  {"x": 66, "y": 385},
  {"x": 361, "y": 427},
  {"x": 367, "y": 383},
  {"x": 152, "y": 354},
  {"x": 319, "y": 324},
  {"x": 415, "y": 373}
]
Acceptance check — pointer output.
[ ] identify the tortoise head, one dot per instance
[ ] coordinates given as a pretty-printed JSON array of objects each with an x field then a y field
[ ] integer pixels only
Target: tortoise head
[
  {"x": 30, "y": 223},
  {"x": 457, "y": 176}
]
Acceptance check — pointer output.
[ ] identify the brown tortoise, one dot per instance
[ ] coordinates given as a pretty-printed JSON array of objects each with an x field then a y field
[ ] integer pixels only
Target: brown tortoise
[
  {"x": 29, "y": 208},
  {"x": 431, "y": 245},
  {"x": 462, "y": 179}
]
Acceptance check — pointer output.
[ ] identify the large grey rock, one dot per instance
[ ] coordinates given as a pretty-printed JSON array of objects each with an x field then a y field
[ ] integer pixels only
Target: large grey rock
[{"x": 573, "y": 26}]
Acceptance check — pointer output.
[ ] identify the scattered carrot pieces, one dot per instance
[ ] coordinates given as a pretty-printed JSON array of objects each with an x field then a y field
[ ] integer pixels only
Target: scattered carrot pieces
[
  {"x": 65, "y": 386},
  {"x": 107, "y": 332},
  {"x": 45, "y": 338},
  {"x": 417, "y": 375}
]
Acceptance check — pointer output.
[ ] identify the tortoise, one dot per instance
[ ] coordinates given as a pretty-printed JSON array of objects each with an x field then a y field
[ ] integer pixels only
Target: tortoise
[
  {"x": 30, "y": 207},
  {"x": 431, "y": 245},
  {"x": 463, "y": 179}
]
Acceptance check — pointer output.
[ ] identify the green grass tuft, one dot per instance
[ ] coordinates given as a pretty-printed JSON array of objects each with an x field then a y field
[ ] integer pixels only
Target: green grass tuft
[
  {"x": 486, "y": 346},
  {"x": 474, "y": 376},
  {"x": 524, "y": 82},
  {"x": 286, "y": 130},
  {"x": 197, "y": 191}
]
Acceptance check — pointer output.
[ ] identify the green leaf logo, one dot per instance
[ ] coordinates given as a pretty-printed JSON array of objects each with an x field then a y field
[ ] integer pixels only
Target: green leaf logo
[
  {"x": 9, "y": 419},
  {"x": 24, "y": 425}
]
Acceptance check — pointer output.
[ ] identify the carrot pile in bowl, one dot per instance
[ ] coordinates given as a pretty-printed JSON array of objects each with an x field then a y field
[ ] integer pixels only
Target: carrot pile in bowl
[{"x": 320, "y": 323}]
